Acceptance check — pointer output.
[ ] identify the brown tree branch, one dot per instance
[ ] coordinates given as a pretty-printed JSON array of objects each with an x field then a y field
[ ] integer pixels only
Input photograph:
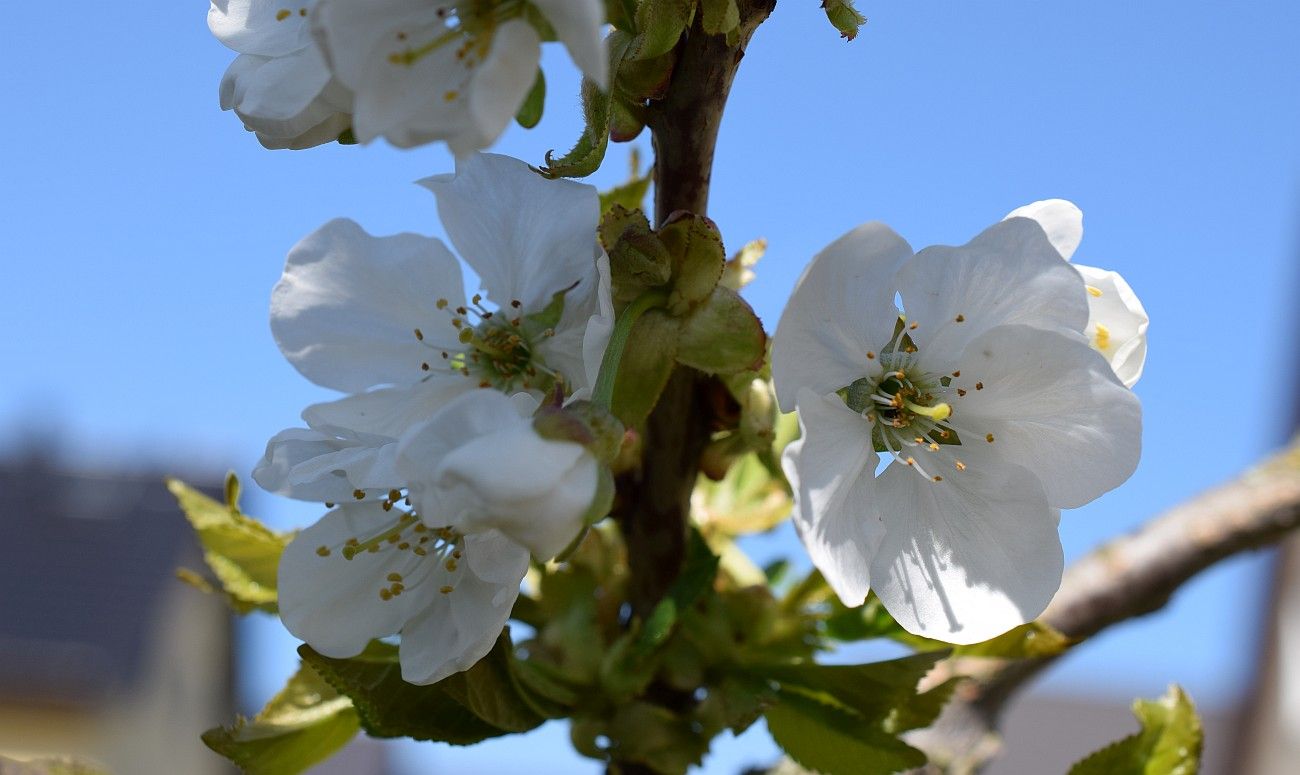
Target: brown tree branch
[
  {"x": 655, "y": 498},
  {"x": 1129, "y": 577}
]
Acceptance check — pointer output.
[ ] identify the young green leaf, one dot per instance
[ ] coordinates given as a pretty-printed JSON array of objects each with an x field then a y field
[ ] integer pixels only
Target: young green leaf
[
  {"x": 827, "y": 739},
  {"x": 659, "y": 24},
  {"x": 302, "y": 725},
  {"x": 722, "y": 335},
  {"x": 530, "y": 113},
  {"x": 242, "y": 552},
  {"x": 1168, "y": 744},
  {"x": 646, "y": 366},
  {"x": 485, "y": 701}
]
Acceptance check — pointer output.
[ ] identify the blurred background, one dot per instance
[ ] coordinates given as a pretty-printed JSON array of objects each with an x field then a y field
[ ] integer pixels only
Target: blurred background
[{"x": 144, "y": 229}]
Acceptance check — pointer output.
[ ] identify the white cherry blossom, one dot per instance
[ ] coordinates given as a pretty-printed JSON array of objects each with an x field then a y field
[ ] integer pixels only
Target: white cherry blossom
[
  {"x": 279, "y": 85},
  {"x": 363, "y": 572},
  {"x": 386, "y": 320},
  {"x": 480, "y": 464},
  {"x": 1117, "y": 322},
  {"x": 448, "y": 71},
  {"x": 991, "y": 410}
]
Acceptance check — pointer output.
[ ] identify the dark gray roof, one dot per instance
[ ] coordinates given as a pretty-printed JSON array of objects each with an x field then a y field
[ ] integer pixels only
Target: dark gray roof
[{"x": 85, "y": 560}]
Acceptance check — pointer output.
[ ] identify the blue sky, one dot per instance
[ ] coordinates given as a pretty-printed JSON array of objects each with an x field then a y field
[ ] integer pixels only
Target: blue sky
[{"x": 144, "y": 230}]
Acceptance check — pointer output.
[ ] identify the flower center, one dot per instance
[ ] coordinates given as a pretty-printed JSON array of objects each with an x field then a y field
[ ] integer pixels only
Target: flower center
[
  {"x": 502, "y": 352},
  {"x": 422, "y": 555}
]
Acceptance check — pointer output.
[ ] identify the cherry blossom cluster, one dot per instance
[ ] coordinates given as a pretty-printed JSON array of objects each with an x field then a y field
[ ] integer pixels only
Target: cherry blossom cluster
[
  {"x": 439, "y": 468},
  {"x": 951, "y": 401},
  {"x": 410, "y": 71}
]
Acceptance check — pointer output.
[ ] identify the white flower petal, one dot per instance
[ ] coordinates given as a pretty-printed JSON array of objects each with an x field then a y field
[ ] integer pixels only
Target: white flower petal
[
  {"x": 580, "y": 26},
  {"x": 498, "y": 86},
  {"x": 1054, "y": 406},
  {"x": 346, "y": 309},
  {"x": 315, "y": 466},
  {"x": 965, "y": 563},
  {"x": 264, "y": 27},
  {"x": 595, "y": 337},
  {"x": 1060, "y": 219},
  {"x": 841, "y": 309},
  {"x": 479, "y": 464},
  {"x": 1117, "y": 323},
  {"x": 526, "y": 237},
  {"x": 388, "y": 412},
  {"x": 333, "y": 603},
  {"x": 831, "y": 469},
  {"x": 459, "y": 628},
  {"x": 1010, "y": 273}
]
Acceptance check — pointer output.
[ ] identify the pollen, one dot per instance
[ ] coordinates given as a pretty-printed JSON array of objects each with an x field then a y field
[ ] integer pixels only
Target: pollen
[
  {"x": 989, "y": 438},
  {"x": 1102, "y": 337},
  {"x": 384, "y": 594},
  {"x": 1094, "y": 291},
  {"x": 960, "y": 465}
]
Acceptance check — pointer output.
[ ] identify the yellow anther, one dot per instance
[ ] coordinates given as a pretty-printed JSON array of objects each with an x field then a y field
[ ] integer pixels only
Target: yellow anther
[
  {"x": 394, "y": 577},
  {"x": 911, "y": 461},
  {"x": 446, "y": 590},
  {"x": 1103, "y": 337},
  {"x": 283, "y": 14},
  {"x": 323, "y": 551},
  {"x": 420, "y": 551},
  {"x": 961, "y": 318},
  {"x": 934, "y": 447},
  {"x": 451, "y": 565},
  {"x": 960, "y": 465},
  {"x": 359, "y": 494},
  {"x": 385, "y": 595},
  {"x": 870, "y": 355},
  {"x": 961, "y": 392},
  {"x": 441, "y": 304},
  {"x": 989, "y": 438},
  {"x": 938, "y": 478},
  {"x": 913, "y": 325},
  {"x": 1093, "y": 291},
  {"x": 979, "y": 385},
  {"x": 956, "y": 374}
]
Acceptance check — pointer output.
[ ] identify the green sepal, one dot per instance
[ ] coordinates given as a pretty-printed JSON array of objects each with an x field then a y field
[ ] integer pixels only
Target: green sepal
[
  {"x": 487, "y": 700},
  {"x": 722, "y": 335},
  {"x": 588, "y": 152},
  {"x": 719, "y": 17},
  {"x": 621, "y": 14},
  {"x": 530, "y": 113},
  {"x": 845, "y": 17},
  {"x": 1169, "y": 743},
  {"x": 347, "y": 137},
  {"x": 638, "y": 260},
  {"x": 646, "y": 366},
  {"x": 301, "y": 726},
  {"x": 646, "y": 79},
  {"x": 243, "y": 553},
  {"x": 659, "y": 24},
  {"x": 698, "y": 256},
  {"x": 826, "y": 738}
]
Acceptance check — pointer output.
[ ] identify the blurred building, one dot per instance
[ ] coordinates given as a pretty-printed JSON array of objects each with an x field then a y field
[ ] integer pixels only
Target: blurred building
[{"x": 103, "y": 653}]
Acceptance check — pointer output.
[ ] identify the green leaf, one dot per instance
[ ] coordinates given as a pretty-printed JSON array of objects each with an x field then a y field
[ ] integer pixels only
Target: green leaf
[
  {"x": 698, "y": 256},
  {"x": 302, "y": 725},
  {"x": 824, "y": 738},
  {"x": 530, "y": 113},
  {"x": 844, "y": 16},
  {"x": 722, "y": 335},
  {"x": 873, "y": 691},
  {"x": 659, "y": 24},
  {"x": 719, "y": 16},
  {"x": 1169, "y": 743},
  {"x": 646, "y": 366},
  {"x": 485, "y": 701},
  {"x": 242, "y": 552}
]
